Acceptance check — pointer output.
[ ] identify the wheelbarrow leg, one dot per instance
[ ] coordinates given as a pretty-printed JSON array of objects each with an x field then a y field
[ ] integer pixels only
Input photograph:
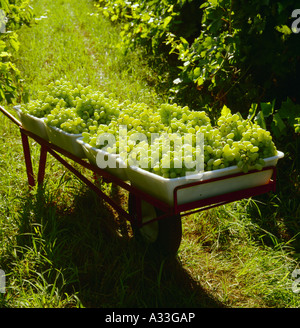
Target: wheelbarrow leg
[
  {"x": 28, "y": 162},
  {"x": 42, "y": 164}
]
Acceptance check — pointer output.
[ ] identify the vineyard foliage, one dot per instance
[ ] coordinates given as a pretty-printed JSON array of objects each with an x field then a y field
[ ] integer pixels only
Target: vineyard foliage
[
  {"x": 13, "y": 14},
  {"x": 239, "y": 53}
]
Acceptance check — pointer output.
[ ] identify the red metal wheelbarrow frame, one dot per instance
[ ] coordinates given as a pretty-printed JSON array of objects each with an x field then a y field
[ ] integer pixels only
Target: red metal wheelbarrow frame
[{"x": 176, "y": 209}]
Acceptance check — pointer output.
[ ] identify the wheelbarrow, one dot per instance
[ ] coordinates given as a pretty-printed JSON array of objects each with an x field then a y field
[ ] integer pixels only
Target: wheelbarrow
[{"x": 155, "y": 205}]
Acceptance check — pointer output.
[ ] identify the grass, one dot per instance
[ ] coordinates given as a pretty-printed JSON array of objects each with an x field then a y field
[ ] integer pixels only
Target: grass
[
  {"x": 75, "y": 43},
  {"x": 60, "y": 246}
]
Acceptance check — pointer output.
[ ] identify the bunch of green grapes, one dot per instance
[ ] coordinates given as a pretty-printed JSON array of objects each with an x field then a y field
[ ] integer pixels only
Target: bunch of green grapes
[
  {"x": 74, "y": 125},
  {"x": 257, "y": 145},
  {"x": 182, "y": 119},
  {"x": 168, "y": 112},
  {"x": 237, "y": 142},
  {"x": 99, "y": 117},
  {"x": 60, "y": 93},
  {"x": 231, "y": 126},
  {"x": 168, "y": 157},
  {"x": 60, "y": 114},
  {"x": 68, "y": 120},
  {"x": 65, "y": 90},
  {"x": 93, "y": 137},
  {"x": 98, "y": 107},
  {"x": 233, "y": 142},
  {"x": 139, "y": 117},
  {"x": 38, "y": 108},
  {"x": 73, "y": 109},
  {"x": 134, "y": 117}
]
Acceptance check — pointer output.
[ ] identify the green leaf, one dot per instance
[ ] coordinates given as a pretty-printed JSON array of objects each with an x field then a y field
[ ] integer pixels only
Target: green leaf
[
  {"x": 214, "y": 3},
  {"x": 280, "y": 7},
  {"x": 146, "y": 17},
  {"x": 289, "y": 110},
  {"x": 4, "y": 4},
  {"x": 276, "y": 131},
  {"x": 267, "y": 108},
  {"x": 170, "y": 9},
  {"x": 279, "y": 122},
  {"x": 200, "y": 81},
  {"x": 297, "y": 125},
  {"x": 225, "y": 110},
  {"x": 183, "y": 40},
  {"x": 284, "y": 29},
  {"x": 252, "y": 111},
  {"x": 204, "y": 5},
  {"x": 260, "y": 120},
  {"x": 14, "y": 43},
  {"x": 2, "y": 95},
  {"x": 114, "y": 18},
  {"x": 197, "y": 72},
  {"x": 4, "y": 54},
  {"x": 167, "y": 20}
]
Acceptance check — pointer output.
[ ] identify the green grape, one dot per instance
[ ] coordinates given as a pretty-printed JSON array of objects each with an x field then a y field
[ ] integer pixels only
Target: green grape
[
  {"x": 79, "y": 109},
  {"x": 217, "y": 162}
]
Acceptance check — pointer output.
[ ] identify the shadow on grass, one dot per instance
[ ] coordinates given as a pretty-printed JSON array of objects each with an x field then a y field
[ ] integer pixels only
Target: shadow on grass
[
  {"x": 278, "y": 214},
  {"x": 102, "y": 263}
]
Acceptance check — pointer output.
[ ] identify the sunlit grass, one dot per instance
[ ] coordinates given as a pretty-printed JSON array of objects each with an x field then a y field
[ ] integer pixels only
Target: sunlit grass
[{"x": 73, "y": 41}]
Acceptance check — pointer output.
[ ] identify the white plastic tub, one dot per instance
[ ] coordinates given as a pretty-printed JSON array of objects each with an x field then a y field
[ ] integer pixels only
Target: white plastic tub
[
  {"x": 31, "y": 123},
  {"x": 66, "y": 141},
  {"x": 116, "y": 164},
  {"x": 163, "y": 188}
]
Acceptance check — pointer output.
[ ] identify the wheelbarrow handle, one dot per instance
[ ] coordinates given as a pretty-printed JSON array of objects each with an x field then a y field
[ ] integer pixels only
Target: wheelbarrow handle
[{"x": 10, "y": 116}]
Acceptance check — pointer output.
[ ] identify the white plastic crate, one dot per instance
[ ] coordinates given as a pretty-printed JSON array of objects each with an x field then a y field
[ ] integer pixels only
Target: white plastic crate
[
  {"x": 66, "y": 141},
  {"x": 91, "y": 154},
  {"x": 31, "y": 123},
  {"x": 163, "y": 188}
]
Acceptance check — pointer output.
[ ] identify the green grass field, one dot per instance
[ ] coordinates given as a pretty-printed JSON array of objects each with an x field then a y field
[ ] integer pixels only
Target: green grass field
[{"x": 61, "y": 246}]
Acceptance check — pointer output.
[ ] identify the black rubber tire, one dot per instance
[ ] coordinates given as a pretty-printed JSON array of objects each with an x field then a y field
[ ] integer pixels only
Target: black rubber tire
[{"x": 168, "y": 230}]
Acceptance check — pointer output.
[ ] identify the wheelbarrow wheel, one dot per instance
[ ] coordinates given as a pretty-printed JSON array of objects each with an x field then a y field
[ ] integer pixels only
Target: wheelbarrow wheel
[{"x": 164, "y": 235}]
